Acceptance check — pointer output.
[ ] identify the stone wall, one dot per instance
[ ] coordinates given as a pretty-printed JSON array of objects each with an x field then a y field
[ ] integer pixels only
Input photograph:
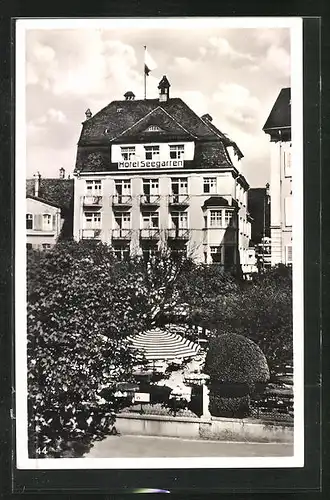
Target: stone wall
[{"x": 222, "y": 429}]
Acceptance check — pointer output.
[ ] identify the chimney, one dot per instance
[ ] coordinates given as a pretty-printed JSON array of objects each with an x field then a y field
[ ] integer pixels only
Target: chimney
[
  {"x": 164, "y": 89},
  {"x": 129, "y": 96},
  {"x": 88, "y": 114},
  {"x": 62, "y": 173},
  {"x": 37, "y": 178}
]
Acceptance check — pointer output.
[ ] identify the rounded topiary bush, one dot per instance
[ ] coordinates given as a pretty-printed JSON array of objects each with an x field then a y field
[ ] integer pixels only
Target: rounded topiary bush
[{"x": 237, "y": 368}]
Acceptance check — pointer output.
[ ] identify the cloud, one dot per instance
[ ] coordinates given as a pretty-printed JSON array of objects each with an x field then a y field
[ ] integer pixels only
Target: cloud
[
  {"x": 224, "y": 48},
  {"x": 85, "y": 65},
  {"x": 237, "y": 103},
  {"x": 184, "y": 64},
  {"x": 196, "y": 100},
  {"x": 278, "y": 60}
]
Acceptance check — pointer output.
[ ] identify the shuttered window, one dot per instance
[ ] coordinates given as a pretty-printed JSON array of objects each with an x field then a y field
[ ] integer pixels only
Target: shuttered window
[
  {"x": 47, "y": 223},
  {"x": 288, "y": 256},
  {"x": 29, "y": 221},
  {"x": 288, "y": 210}
]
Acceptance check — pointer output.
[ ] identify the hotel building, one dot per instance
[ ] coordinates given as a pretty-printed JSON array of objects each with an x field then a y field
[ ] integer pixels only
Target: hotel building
[{"x": 152, "y": 175}]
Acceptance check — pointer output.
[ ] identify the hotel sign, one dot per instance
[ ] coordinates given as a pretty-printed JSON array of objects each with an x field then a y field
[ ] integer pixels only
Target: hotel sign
[{"x": 150, "y": 164}]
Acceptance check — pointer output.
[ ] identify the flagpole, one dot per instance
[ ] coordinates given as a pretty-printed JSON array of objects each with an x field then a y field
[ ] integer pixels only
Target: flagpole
[{"x": 144, "y": 73}]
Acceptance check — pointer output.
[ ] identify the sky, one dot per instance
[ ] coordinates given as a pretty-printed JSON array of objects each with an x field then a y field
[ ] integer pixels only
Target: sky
[{"x": 233, "y": 74}]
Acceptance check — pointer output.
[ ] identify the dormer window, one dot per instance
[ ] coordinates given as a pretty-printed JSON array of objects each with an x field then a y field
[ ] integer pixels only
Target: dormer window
[
  {"x": 177, "y": 152},
  {"x": 153, "y": 128},
  {"x": 152, "y": 152},
  {"x": 128, "y": 152}
]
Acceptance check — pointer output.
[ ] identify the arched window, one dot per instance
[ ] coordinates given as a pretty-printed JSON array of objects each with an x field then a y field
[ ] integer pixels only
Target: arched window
[{"x": 29, "y": 221}]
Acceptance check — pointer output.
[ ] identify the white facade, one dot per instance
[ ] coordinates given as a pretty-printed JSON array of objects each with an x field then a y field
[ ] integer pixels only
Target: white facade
[
  {"x": 143, "y": 210},
  {"x": 43, "y": 224}
]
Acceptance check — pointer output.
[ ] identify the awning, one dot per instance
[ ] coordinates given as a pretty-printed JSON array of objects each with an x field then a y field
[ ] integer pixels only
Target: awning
[{"x": 160, "y": 344}]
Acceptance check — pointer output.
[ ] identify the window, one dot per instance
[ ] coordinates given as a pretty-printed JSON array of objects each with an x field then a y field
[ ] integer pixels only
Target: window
[
  {"x": 179, "y": 220},
  {"x": 93, "y": 187},
  {"x": 150, "y": 220},
  {"x": 288, "y": 256},
  {"x": 153, "y": 128},
  {"x": 210, "y": 185},
  {"x": 123, "y": 220},
  {"x": 152, "y": 152},
  {"x": 150, "y": 186},
  {"x": 215, "y": 218},
  {"x": 123, "y": 186},
  {"x": 287, "y": 163},
  {"x": 46, "y": 246},
  {"x": 177, "y": 152},
  {"x": 215, "y": 253},
  {"x": 148, "y": 253},
  {"x": 92, "y": 220},
  {"x": 288, "y": 210},
  {"x": 47, "y": 222},
  {"x": 29, "y": 221},
  {"x": 121, "y": 252},
  {"x": 179, "y": 185},
  {"x": 228, "y": 216},
  {"x": 128, "y": 152}
]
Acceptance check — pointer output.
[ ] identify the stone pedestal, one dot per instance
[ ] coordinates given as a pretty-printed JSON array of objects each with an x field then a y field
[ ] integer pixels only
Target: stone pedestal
[{"x": 206, "y": 400}]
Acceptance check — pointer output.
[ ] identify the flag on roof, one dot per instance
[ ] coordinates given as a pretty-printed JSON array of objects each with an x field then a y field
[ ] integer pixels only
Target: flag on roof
[{"x": 149, "y": 63}]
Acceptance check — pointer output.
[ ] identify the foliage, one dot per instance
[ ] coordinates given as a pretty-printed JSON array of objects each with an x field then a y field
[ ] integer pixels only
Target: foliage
[
  {"x": 238, "y": 407},
  {"x": 232, "y": 358},
  {"x": 235, "y": 365},
  {"x": 260, "y": 310},
  {"x": 83, "y": 303},
  {"x": 77, "y": 323}
]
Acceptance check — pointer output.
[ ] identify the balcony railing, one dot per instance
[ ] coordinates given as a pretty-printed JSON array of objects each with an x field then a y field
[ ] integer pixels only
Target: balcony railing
[
  {"x": 178, "y": 233},
  {"x": 121, "y": 234},
  {"x": 92, "y": 201},
  {"x": 90, "y": 234},
  {"x": 178, "y": 199},
  {"x": 124, "y": 200},
  {"x": 149, "y": 234},
  {"x": 150, "y": 199}
]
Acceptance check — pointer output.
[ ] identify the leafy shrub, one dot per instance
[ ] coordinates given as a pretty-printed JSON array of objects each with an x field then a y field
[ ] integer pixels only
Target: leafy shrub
[
  {"x": 235, "y": 365},
  {"x": 232, "y": 358},
  {"x": 238, "y": 407}
]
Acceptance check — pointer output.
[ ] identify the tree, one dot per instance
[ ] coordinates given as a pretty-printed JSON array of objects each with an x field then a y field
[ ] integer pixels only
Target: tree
[
  {"x": 260, "y": 310},
  {"x": 78, "y": 319}
]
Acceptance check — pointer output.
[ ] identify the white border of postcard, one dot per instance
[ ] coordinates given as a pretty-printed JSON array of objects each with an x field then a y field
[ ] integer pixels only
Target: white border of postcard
[{"x": 297, "y": 460}]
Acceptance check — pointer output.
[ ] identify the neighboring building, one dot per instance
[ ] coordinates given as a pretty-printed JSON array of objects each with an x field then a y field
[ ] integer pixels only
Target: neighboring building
[
  {"x": 151, "y": 174},
  {"x": 278, "y": 127},
  {"x": 49, "y": 211},
  {"x": 259, "y": 209}
]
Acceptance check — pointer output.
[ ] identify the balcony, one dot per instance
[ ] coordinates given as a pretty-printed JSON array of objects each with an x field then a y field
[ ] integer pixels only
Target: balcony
[
  {"x": 92, "y": 201},
  {"x": 91, "y": 234},
  {"x": 178, "y": 234},
  {"x": 122, "y": 200},
  {"x": 150, "y": 199},
  {"x": 149, "y": 234},
  {"x": 121, "y": 234},
  {"x": 178, "y": 200}
]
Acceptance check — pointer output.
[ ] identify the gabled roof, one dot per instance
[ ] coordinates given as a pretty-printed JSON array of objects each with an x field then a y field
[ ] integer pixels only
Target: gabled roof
[
  {"x": 36, "y": 198},
  {"x": 158, "y": 116},
  {"x": 280, "y": 115},
  {"x": 56, "y": 192},
  {"x": 119, "y": 116}
]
